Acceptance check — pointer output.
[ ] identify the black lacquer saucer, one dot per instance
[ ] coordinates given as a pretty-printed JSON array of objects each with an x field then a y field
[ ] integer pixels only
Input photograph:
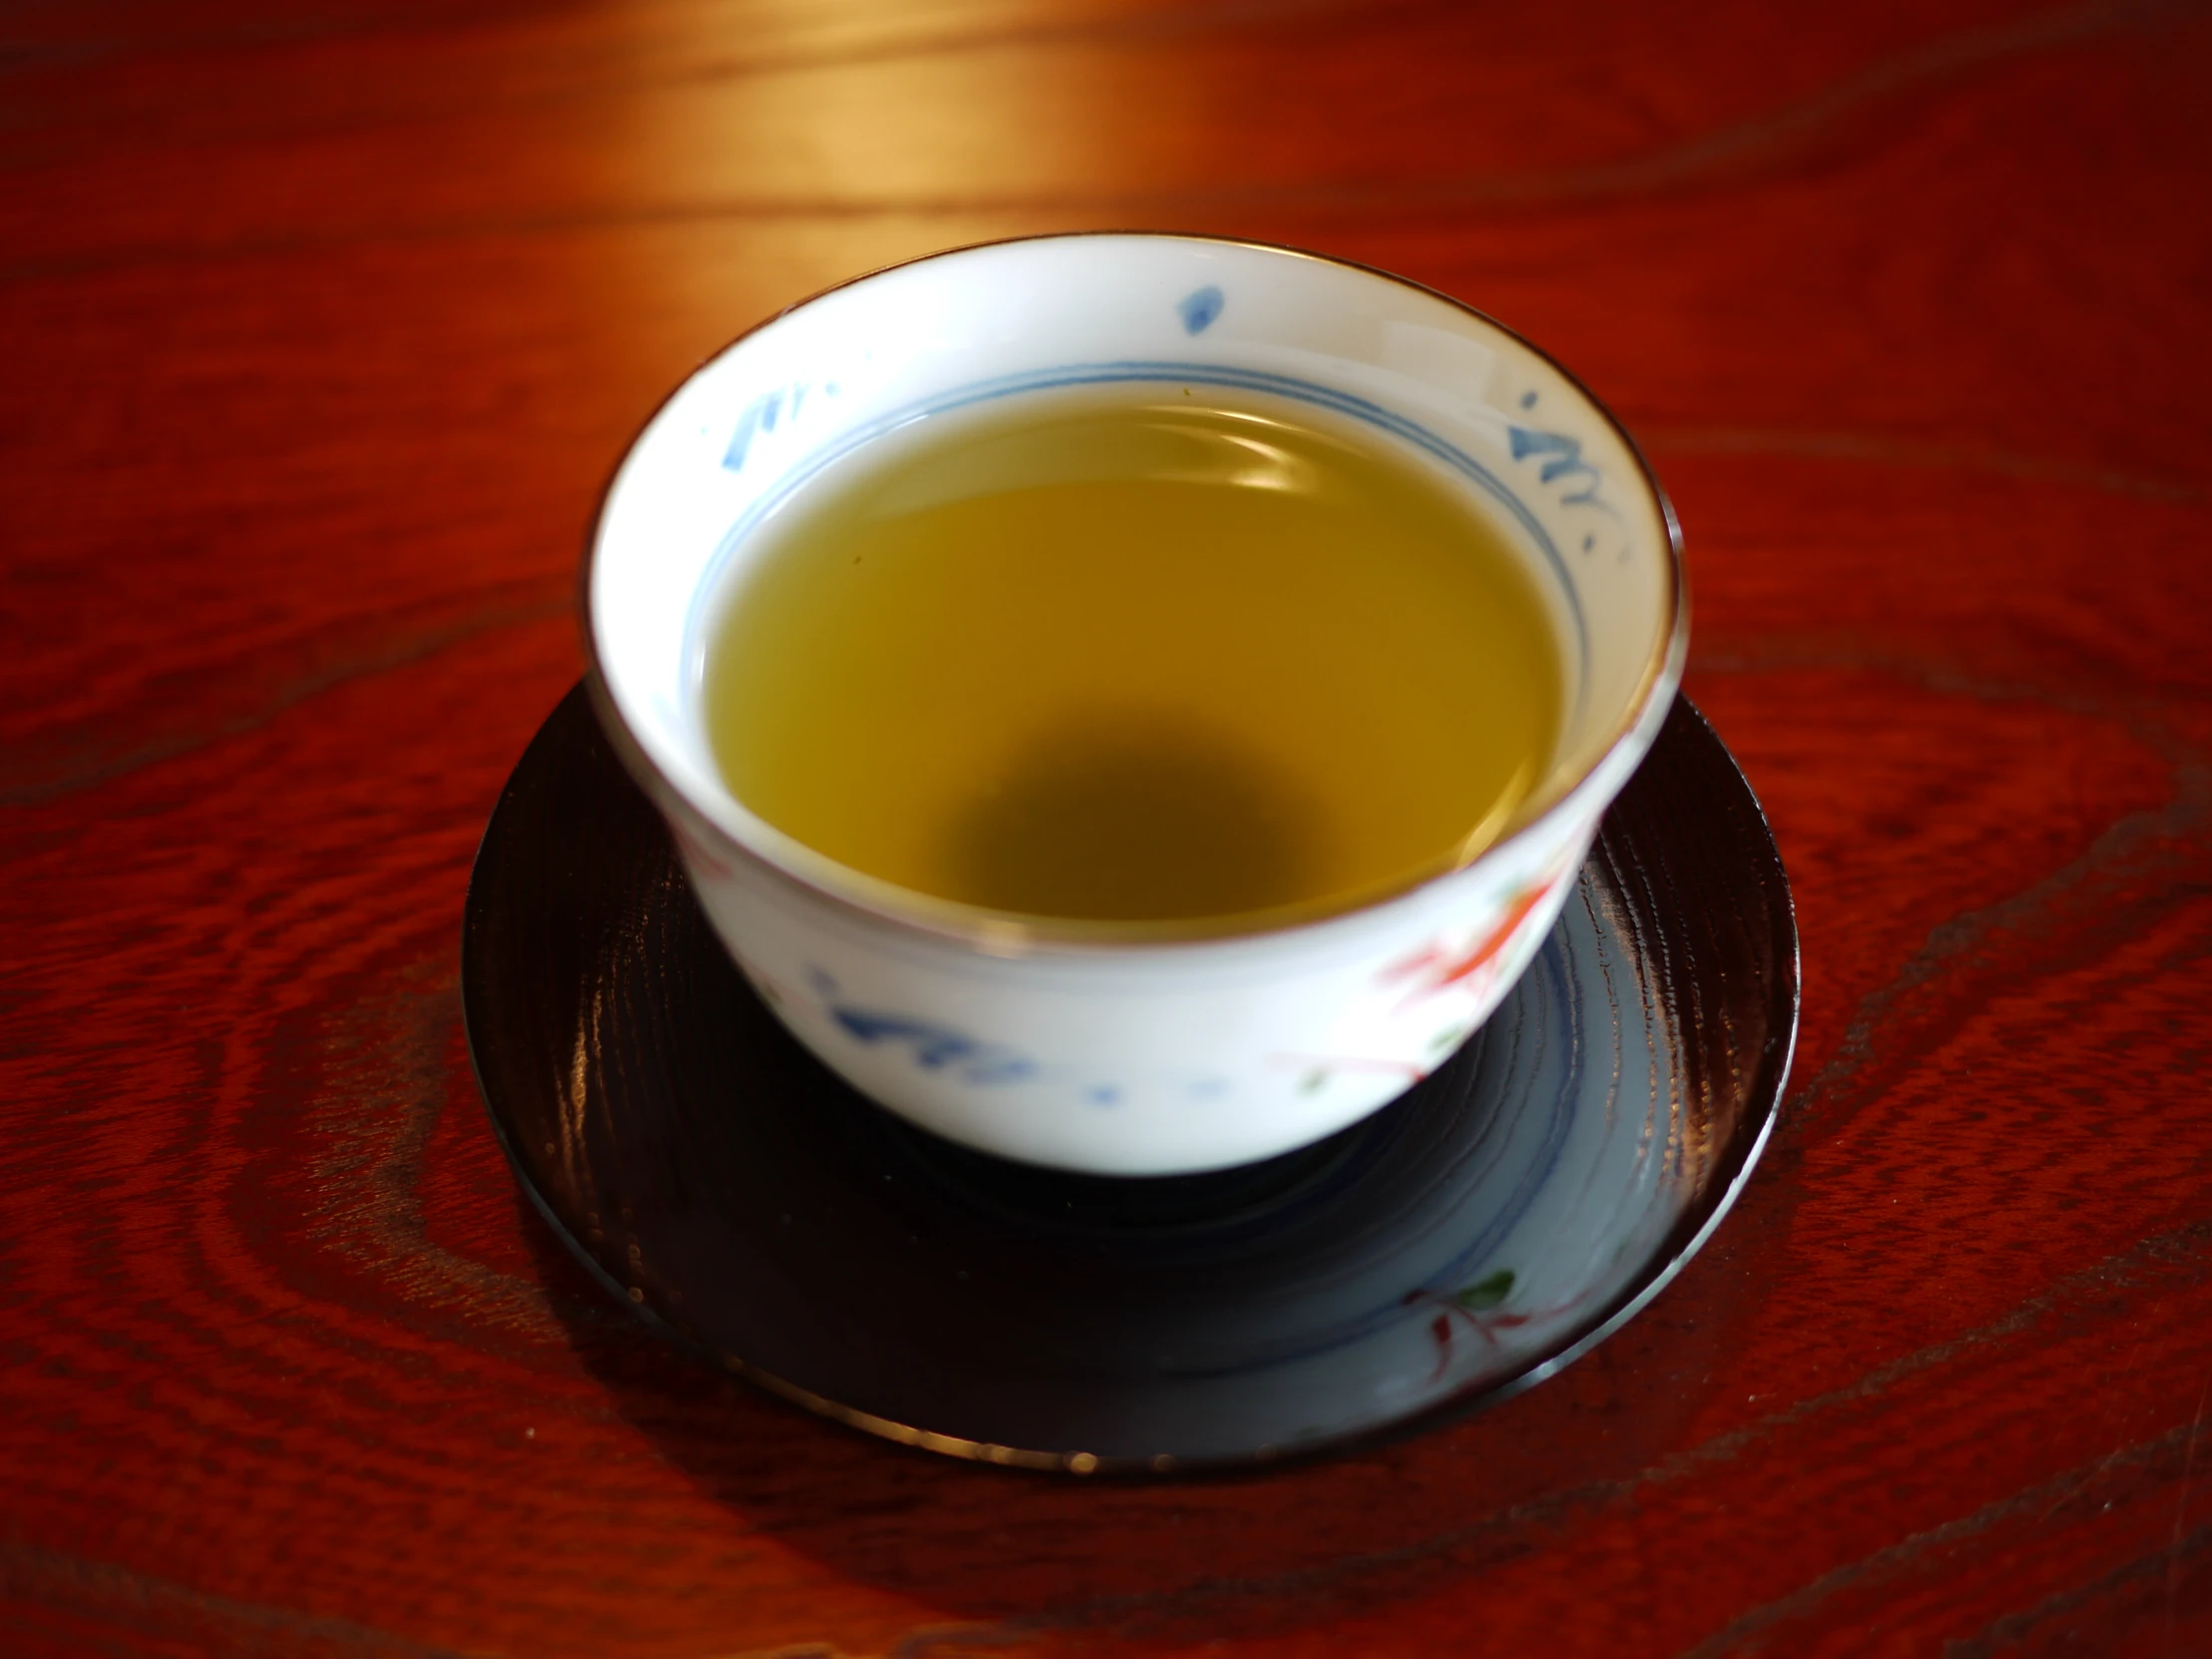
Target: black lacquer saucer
[{"x": 1466, "y": 1241}]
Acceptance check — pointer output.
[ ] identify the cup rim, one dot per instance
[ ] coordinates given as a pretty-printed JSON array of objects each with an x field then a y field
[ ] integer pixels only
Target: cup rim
[{"x": 1015, "y": 934}]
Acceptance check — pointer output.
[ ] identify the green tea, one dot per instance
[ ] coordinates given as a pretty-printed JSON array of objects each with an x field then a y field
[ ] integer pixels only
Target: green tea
[{"x": 1139, "y": 653}]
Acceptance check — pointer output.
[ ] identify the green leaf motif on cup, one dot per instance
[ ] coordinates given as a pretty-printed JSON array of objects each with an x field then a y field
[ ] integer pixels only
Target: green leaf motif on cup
[{"x": 1485, "y": 1293}]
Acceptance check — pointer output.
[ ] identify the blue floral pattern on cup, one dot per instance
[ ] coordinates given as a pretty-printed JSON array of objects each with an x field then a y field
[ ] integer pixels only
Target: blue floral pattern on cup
[
  {"x": 936, "y": 1046},
  {"x": 1198, "y": 307},
  {"x": 1562, "y": 458}
]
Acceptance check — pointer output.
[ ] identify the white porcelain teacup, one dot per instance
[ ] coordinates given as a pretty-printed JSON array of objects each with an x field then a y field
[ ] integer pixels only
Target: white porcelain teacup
[{"x": 1131, "y": 1055}]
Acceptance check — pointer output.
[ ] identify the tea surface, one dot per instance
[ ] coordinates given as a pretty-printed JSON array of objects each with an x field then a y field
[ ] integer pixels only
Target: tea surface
[{"x": 1134, "y": 654}]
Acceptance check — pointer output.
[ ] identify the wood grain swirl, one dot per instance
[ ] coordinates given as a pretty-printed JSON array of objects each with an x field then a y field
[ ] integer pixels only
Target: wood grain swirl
[{"x": 322, "y": 329}]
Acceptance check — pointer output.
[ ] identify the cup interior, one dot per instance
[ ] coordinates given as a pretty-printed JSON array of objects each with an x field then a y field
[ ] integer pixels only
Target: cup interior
[{"x": 1352, "y": 349}]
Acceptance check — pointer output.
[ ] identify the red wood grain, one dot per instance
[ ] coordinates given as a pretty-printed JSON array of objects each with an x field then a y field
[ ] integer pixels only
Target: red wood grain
[{"x": 323, "y": 327}]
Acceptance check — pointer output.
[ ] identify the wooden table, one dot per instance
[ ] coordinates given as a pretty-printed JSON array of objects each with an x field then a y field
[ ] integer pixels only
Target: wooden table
[{"x": 321, "y": 328}]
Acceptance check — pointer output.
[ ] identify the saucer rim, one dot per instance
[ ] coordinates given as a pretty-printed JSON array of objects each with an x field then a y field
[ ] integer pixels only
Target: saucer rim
[{"x": 1764, "y": 1098}]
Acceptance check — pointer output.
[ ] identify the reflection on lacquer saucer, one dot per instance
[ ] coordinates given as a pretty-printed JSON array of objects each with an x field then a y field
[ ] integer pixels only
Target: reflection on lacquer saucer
[{"x": 1496, "y": 1221}]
